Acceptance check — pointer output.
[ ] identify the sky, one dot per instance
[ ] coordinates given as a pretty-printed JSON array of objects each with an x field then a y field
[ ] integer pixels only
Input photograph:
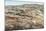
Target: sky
[{"x": 20, "y": 2}]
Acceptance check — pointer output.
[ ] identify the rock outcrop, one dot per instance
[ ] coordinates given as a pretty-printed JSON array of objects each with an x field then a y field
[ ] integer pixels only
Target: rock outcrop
[{"x": 19, "y": 18}]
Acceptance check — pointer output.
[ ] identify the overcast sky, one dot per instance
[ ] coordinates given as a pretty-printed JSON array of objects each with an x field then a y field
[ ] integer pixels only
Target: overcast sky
[{"x": 20, "y": 2}]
